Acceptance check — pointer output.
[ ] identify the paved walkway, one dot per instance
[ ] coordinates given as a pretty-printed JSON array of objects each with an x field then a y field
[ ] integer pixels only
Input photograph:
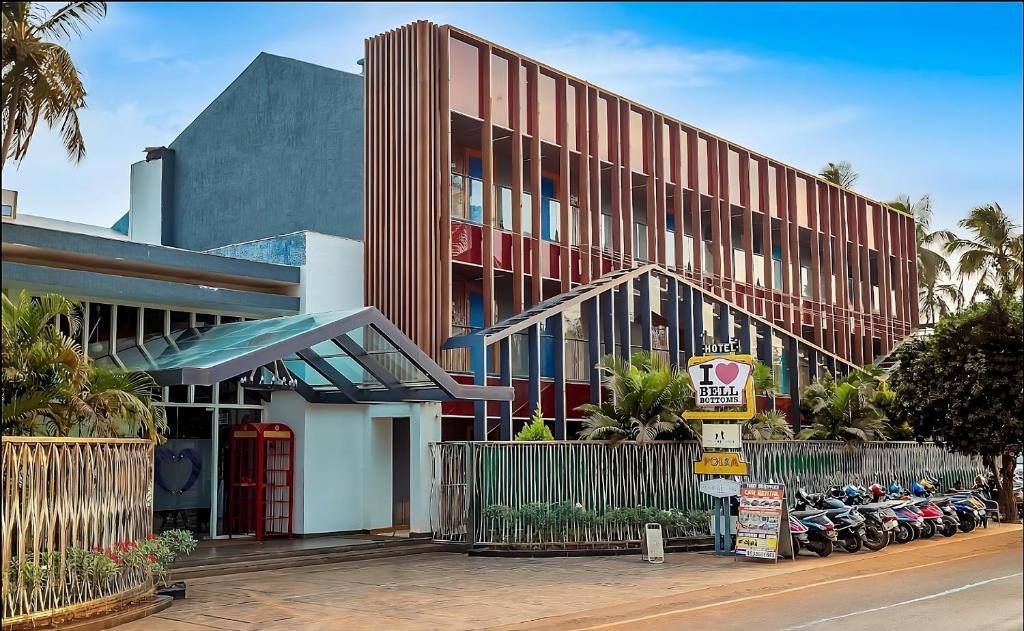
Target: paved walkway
[{"x": 454, "y": 591}]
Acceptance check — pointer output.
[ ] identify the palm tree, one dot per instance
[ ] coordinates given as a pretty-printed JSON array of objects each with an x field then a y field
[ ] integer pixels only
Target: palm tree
[
  {"x": 764, "y": 382},
  {"x": 50, "y": 386},
  {"x": 39, "y": 77},
  {"x": 934, "y": 292},
  {"x": 770, "y": 425},
  {"x": 840, "y": 173},
  {"x": 850, "y": 410},
  {"x": 647, "y": 400},
  {"x": 994, "y": 252}
]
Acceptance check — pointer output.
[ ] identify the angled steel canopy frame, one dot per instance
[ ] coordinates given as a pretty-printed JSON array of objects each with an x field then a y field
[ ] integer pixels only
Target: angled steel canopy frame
[
  {"x": 355, "y": 356},
  {"x": 607, "y": 303}
]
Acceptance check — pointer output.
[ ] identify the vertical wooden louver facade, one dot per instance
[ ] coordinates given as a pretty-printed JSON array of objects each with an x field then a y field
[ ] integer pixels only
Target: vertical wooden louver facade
[
  {"x": 405, "y": 186},
  {"x": 573, "y": 182}
]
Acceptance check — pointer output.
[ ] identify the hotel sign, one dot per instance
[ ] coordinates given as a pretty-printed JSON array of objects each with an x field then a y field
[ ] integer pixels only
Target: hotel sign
[
  {"x": 720, "y": 463},
  {"x": 723, "y": 387}
]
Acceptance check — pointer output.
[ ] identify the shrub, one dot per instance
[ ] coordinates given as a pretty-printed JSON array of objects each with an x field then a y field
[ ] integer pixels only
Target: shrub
[{"x": 535, "y": 429}]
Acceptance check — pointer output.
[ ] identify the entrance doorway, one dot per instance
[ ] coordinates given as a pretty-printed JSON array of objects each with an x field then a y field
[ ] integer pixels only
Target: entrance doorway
[
  {"x": 183, "y": 471},
  {"x": 400, "y": 473}
]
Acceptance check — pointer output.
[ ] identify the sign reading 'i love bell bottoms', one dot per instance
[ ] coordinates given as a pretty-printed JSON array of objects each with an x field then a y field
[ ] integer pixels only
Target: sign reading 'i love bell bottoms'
[{"x": 723, "y": 387}]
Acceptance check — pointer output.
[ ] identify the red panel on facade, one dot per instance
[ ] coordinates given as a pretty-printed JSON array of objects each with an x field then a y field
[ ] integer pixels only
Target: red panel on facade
[
  {"x": 503, "y": 250},
  {"x": 553, "y": 259},
  {"x": 466, "y": 243}
]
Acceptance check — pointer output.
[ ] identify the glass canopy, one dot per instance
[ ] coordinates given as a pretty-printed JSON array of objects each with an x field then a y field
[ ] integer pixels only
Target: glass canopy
[{"x": 333, "y": 357}]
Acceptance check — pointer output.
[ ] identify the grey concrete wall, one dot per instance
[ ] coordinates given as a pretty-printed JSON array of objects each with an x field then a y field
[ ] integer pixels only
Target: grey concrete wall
[{"x": 280, "y": 150}]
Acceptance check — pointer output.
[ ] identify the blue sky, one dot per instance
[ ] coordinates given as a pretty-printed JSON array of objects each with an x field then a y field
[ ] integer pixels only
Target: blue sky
[{"x": 921, "y": 98}]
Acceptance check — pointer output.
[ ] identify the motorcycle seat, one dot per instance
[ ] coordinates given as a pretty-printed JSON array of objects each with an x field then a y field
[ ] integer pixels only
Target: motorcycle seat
[{"x": 804, "y": 514}]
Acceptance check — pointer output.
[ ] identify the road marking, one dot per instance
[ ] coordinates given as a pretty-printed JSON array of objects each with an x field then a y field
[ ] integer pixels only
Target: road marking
[
  {"x": 732, "y": 601},
  {"x": 907, "y": 602}
]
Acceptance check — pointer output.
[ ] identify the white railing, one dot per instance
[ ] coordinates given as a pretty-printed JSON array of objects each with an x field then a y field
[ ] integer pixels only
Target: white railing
[{"x": 501, "y": 493}]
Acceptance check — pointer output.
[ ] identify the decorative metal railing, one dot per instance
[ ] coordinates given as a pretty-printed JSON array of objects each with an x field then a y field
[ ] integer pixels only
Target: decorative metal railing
[
  {"x": 495, "y": 493},
  {"x": 65, "y": 494}
]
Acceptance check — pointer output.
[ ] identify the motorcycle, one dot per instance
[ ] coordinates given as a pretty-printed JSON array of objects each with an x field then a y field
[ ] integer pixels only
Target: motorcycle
[
  {"x": 798, "y": 530},
  {"x": 909, "y": 521},
  {"x": 849, "y": 524},
  {"x": 821, "y": 532},
  {"x": 880, "y": 520},
  {"x": 950, "y": 522}
]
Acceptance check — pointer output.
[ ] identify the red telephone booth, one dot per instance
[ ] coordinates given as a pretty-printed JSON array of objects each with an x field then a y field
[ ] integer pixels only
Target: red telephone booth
[{"x": 260, "y": 491}]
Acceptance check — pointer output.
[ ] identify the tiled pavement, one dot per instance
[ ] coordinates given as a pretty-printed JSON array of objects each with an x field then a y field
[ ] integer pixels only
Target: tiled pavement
[{"x": 448, "y": 591}]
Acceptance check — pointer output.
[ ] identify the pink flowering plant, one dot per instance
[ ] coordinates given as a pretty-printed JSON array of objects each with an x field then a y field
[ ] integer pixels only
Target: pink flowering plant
[{"x": 92, "y": 571}]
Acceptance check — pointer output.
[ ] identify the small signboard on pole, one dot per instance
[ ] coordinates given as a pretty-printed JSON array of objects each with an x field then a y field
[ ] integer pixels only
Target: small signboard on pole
[{"x": 763, "y": 529}]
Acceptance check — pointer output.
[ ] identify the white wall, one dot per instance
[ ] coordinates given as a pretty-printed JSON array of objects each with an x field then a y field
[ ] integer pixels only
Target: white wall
[
  {"x": 332, "y": 278},
  {"x": 145, "y": 220},
  {"x": 343, "y": 477}
]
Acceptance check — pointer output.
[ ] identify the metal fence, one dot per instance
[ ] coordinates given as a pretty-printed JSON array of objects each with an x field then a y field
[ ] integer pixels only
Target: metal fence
[
  {"x": 61, "y": 494},
  {"x": 496, "y": 493}
]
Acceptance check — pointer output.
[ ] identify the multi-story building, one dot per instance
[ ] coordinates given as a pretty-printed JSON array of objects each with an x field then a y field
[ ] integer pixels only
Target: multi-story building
[
  {"x": 511, "y": 223},
  {"x": 500, "y": 190}
]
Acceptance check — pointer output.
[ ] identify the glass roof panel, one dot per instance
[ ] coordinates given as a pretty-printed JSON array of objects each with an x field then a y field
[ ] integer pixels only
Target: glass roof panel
[
  {"x": 384, "y": 352},
  {"x": 224, "y": 342}
]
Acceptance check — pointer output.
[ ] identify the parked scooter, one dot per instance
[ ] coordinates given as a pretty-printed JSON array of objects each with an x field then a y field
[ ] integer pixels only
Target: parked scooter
[
  {"x": 950, "y": 522},
  {"x": 821, "y": 532},
  {"x": 849, "y": 524},
  {"x": 908, "y": 519},
  {"x": 798, "y": 530},
  {"x": 880, "y": 520}
]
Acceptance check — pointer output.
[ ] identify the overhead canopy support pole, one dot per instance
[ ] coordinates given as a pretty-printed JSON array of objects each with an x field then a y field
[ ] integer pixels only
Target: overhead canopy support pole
[
  {"x": 505, "y": 372},
  {"x": 480, "y": 379},
  {"x": 671, "y": 311}
]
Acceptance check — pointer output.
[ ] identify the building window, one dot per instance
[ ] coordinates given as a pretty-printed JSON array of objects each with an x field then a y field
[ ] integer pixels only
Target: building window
[
  {"x": 550, "y": 211},
  {"x": 464, "y": 75}
]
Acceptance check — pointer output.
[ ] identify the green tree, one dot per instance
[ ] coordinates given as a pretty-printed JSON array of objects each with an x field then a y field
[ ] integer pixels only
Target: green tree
[
  {"x": 50, "y": 386},
  {"x": 851, "y": 409},
  {"x": 764, "y": 382},
  {"x": 647, "y": 400},
  {"x": 769, "y": 425},
  {"x": 993, "y": 255},
  {"x": 536, "y": 429},
  {"x": 840, "y": 173},
  {"x": 40, "y": 79},
  {"x": 962, "y": 386},
  {"x": 937, "y": 295}
]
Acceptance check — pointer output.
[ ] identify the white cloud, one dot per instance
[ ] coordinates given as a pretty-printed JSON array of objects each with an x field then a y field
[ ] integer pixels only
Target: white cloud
[
  {"x": 96, "y": 190},
  {"x": 625, "y": 61}
]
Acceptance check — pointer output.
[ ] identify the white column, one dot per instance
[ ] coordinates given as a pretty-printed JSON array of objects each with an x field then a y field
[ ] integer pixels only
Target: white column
[{"x": 424, "y": 428}]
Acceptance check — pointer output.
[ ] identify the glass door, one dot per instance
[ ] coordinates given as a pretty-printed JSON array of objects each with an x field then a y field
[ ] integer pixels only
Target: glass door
[{"x": 183, "y": 472}]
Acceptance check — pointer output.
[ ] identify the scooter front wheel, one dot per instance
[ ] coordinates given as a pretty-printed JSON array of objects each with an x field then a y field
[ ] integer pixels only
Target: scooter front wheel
[
  {"x": 875, "y": 539},
  {"x": 928, "y": 529},
  {"x": 968, "y": 522},
  {"x": 853, "y": 544},
  {"x": 824, "y": 548},
  {"x": 904, "y": 533},
  {"x": 949, "y": 530}
]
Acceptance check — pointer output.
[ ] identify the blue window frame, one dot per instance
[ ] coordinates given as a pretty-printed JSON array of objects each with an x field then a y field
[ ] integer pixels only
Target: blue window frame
[{"x": 476, "y": 190}]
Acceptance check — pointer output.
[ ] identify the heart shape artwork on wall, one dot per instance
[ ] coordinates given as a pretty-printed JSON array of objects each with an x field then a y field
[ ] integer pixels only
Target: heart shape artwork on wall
[{"x": 177, "y": 471}]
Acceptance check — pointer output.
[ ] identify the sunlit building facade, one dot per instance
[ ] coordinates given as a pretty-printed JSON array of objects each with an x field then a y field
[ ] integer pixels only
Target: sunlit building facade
[{"x": 501, "y": 193}]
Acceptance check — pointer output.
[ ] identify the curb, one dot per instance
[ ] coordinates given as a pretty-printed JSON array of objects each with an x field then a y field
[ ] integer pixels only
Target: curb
[{"x": 135, "y": 611}]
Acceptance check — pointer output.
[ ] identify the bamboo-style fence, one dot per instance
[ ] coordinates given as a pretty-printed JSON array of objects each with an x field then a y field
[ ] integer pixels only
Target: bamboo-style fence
[
  {"x": 490, "y": 493},
  {"x": 61, "y": 494}
]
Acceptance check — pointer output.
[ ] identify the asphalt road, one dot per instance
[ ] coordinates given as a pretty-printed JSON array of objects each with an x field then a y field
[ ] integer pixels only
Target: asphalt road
[{"x": 975, "y": 585}]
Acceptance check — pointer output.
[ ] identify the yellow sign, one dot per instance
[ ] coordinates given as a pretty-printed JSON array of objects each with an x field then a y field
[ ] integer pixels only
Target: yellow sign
[
  {"x": 720, "y": 463},
  {"x": 723, "y": 387}
]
